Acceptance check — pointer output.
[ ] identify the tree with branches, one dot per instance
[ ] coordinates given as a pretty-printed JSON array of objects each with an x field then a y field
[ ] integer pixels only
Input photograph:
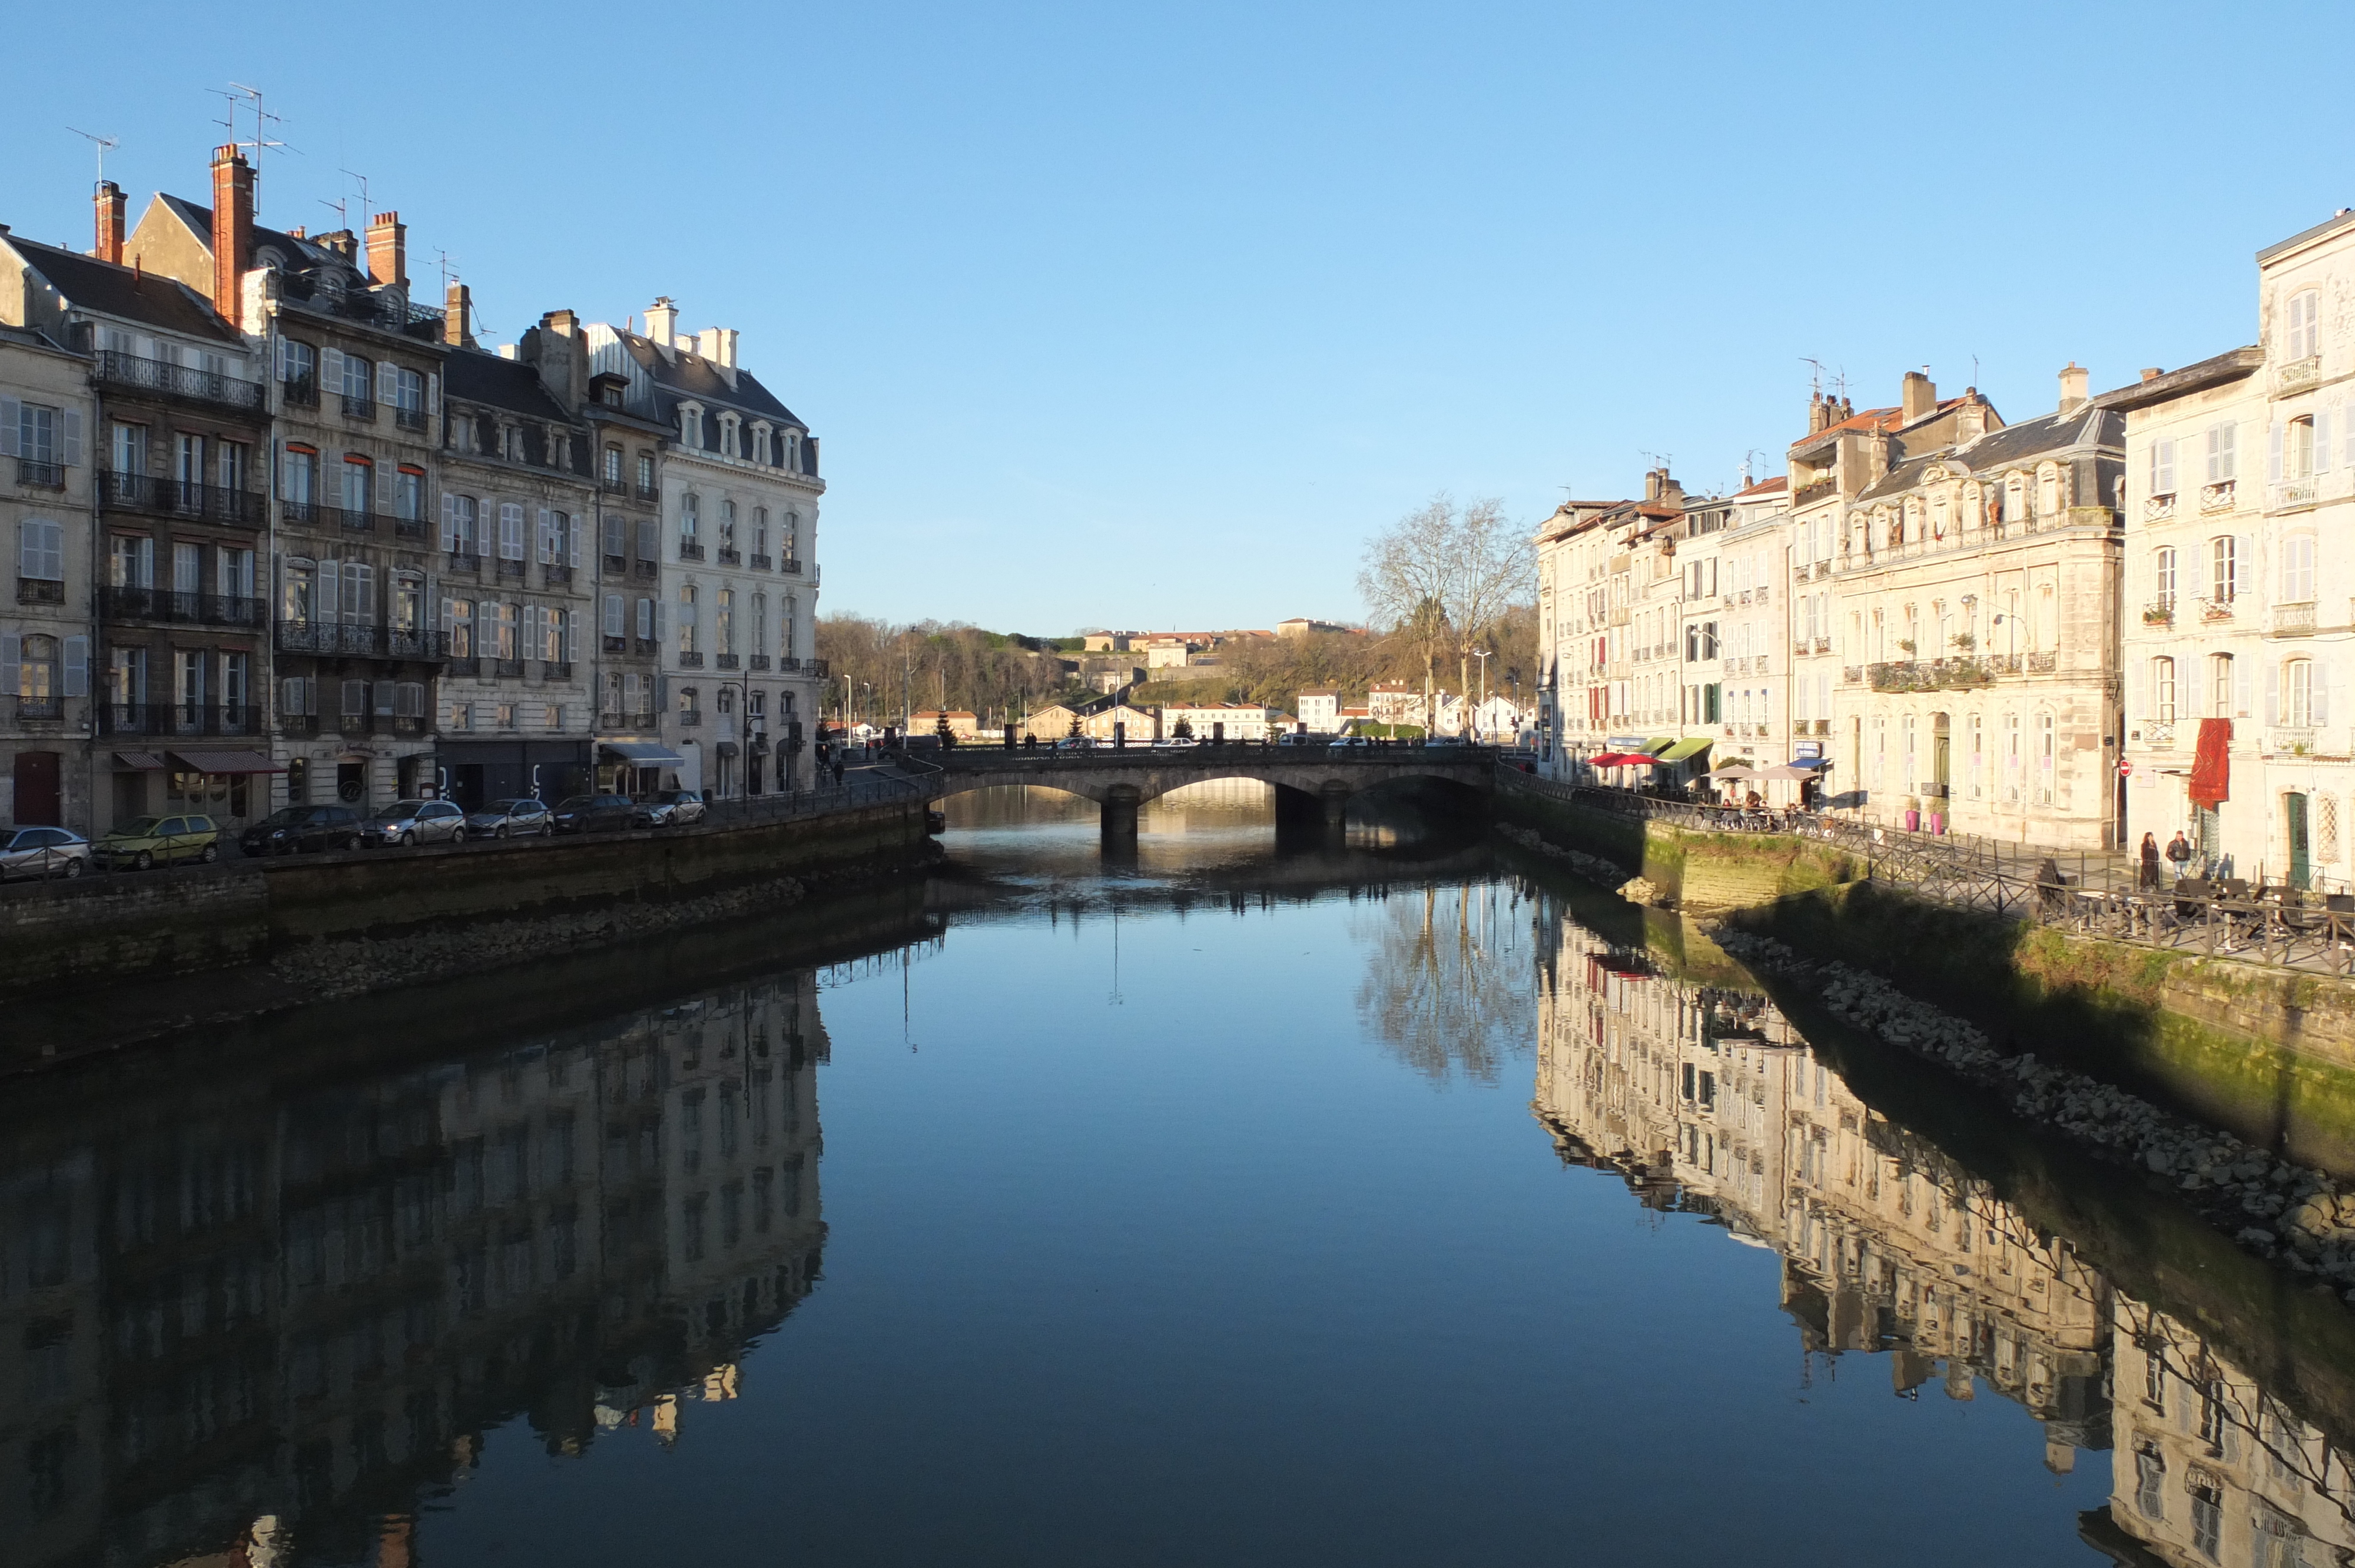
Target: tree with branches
[{"x": 1447, "y": 578}]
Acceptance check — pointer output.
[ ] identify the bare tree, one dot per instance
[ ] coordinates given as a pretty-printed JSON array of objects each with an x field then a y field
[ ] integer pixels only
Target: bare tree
[
  {"x": 1495, "y": 563},
  {"x": 1446, "y": 578}
]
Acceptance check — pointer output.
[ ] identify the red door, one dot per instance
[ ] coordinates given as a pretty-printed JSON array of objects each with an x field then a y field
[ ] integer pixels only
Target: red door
[{"x": 37, "y": 789}]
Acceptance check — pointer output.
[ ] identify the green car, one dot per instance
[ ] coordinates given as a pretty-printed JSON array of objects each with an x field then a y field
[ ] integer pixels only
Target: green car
[{"x": 153, "y": 841}]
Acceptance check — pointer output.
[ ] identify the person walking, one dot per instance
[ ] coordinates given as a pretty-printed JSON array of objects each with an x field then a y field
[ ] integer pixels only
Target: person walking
[
  {"x": 837, "y": 772},
  {"x": 2149, "y": 879},
  {"x": 2179, "y": 850}
]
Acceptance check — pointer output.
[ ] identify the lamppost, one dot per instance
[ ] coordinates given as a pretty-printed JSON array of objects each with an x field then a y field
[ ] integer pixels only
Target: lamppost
[
  {"x": 1481, "y": 654},
  {"x": 744, "y": 730}
]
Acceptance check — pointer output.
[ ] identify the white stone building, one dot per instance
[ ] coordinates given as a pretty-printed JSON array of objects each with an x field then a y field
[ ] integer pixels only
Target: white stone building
[{"x": 47, "y": 719}]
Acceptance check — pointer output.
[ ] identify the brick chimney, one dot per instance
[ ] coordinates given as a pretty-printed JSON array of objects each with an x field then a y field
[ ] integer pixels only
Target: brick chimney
[
  {"x": 458, "y": 317},
  {"x": 1919, "y": 399},
  {"x": 1819, "y": 414},
  {"x": 109, "y": 223},
  {"x": 2072, "y": 387},
  {"x": 388, "y": 250},
  {"x": 232, "y": 230}
]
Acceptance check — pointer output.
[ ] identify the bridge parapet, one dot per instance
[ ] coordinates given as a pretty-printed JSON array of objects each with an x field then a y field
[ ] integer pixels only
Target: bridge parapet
[{"x": 1134, "y": 775}]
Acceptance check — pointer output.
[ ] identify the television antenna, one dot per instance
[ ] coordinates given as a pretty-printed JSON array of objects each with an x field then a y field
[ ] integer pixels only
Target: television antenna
[
  {"x": 1816, "y": 381},
  {"x": 236, "y": 94},
  {"x": 368, "y": 208},
  {"x": 105, "y": 144}
]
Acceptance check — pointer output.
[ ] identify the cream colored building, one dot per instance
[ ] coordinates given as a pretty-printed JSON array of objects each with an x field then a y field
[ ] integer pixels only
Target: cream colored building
[
  {"x": 1236, "y": 721},
  {"x": 1975, "y": 595},
  {"x": 47, "y": 714}
]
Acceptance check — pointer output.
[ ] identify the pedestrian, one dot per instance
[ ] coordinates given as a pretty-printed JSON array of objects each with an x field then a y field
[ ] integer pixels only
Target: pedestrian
[
  {"x": 2150, "y": 881},
  {"x": 837, "y": 772},
  {"x": 2178, "y": 849}
]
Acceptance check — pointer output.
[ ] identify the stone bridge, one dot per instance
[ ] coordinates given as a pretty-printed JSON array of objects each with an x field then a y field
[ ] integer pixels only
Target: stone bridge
[{"x": 1312, "y": 783}]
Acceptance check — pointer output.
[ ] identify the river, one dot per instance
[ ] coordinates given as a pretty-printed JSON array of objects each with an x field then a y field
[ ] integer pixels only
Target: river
[{"x": 1216, "y": 1199}]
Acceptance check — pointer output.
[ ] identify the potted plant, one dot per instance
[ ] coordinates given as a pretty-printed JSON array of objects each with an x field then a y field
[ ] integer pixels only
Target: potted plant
[
  {"x": 1964, "y": 642},
  {"x": 2158, "y": 615},
  {"x": 1906, "y": 645}
]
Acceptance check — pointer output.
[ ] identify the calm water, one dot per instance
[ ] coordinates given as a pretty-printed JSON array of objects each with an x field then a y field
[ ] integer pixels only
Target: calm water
[{"x": 1223, "y": 1202}]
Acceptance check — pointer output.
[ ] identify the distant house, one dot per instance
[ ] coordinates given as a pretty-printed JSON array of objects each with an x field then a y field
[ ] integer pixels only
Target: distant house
[
  {"x": 1107, "y": 642},
  {"x": 1394, "y": 702},
  {"x": 1320, "y": 711},
  {"x": 1234, "y": 721},
  {"x": 1169, "y": 653},
  {"x": 927, "y": 721},
  {"x": 1347, "y": 718},
  {"x": 1301, "y": 626},
  {"x": 1100, "y": 718}
]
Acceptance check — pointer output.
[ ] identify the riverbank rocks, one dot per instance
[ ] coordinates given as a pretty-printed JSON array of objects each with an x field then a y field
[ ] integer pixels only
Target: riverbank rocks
[
  {"x": 1591, "y": 867},
  {"x": 1636, "y": 890},
  {"x": 2293, "y": 1216}
]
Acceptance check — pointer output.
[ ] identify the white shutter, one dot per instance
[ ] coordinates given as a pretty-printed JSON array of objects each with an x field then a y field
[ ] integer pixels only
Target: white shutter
[
  {"x": 2322, "y": 440},
  {"x": 2273, "y": 692},
  {"x": 573, "y": 543},
  {"x": 327, "y": 593},
  {"x": 2243, "y": 555},
  {"x": 612, "y": 615},
  {"x": 2273, "y": 452},
  {"x": 331, "y": 372},
  {"x": 449, "y": 523},
  {"x": 12, "y": 659},
  {"x": 662, "y": 620},
  {"x": 385, "y": 475},
  {"x": 71, "y": 452},
  {"x": 645, "y": 620},
  {"x": 2321, "y": 699},
  {"x": 388, "y": 382},
  {"x": 543, "y": 527},
  {"x": 282, "y": 358},
  {"x": 2240, "y": 688},
  {"x": 77, "y": 667},
  {"x": 12, "y": 414},
  {"x": 572, "y": 640}
]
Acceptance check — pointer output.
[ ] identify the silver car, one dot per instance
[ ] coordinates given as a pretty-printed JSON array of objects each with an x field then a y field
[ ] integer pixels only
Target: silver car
[
  {"x": 42, "y": 851},
  {"x": 410, "y": 823}
]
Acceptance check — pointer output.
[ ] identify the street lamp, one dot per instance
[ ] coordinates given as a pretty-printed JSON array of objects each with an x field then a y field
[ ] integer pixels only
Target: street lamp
[{"x": 1481, "y": 654}]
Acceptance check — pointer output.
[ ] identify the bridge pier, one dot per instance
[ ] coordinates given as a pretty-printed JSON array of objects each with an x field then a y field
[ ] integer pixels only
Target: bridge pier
[
  {"x": 1334, "y": 797},
  {"x": 1119, "y": 807}
]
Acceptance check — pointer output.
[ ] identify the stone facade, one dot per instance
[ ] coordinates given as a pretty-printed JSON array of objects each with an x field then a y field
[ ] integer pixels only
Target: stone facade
[{"x": 48, "y": 707}]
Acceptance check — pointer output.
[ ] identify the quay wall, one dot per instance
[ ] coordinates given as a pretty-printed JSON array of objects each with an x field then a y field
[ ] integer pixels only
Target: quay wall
[{"x": 320, "y": 927}]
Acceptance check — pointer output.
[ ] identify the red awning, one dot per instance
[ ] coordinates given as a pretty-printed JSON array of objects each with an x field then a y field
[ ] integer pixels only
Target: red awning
[{"x": 225, "y": 762}]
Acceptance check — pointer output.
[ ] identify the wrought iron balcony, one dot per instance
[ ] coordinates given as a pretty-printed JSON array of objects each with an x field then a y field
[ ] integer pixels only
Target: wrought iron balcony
[
  {"x": 690, "y": 716},
  {"x": 724, "y": 661},
  {"x": 760, "y": 661},
  {"x": 790, "y": 566},
  {"x": 761, "y": 563},
  {"x": 129, "y": 372},
  {"x": 40, "y": 590},
  {"x": 34, "y": 474},
  {"x": 335, "y": 640},
  {"x": 173, "y": 498},
  {"x": 409, "y": 419},
  {"x": 178, "y": 718},
  {"x": 690, "y": 661},
  {"x": 300, "y": 391},
  {"x": 465, "y": 561},
  {"x": 729, "y": 556},
  {"x": 688, "y": 550},
  {"x": 180, "y": 608},
  {"x": 361, "y": 407},
  {"x": 648, "y": 570},
  {"x": 556, "y": 669},
  {"x": 299, "y": 513}
]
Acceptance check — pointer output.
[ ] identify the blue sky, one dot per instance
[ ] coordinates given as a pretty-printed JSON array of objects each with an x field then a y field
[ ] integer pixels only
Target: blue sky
[{"x": 1148, "y": 316}]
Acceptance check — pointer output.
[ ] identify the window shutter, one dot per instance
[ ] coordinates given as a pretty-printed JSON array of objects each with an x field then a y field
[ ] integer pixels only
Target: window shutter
[
  {"x": 327, "y": 599},
  {"x": 2273, "y": 452},
  {"x": 449, "y": 523},
  {"x": 283, "y": 359},
  {"x": 388, "y": 382},
  {"x": 2133, "y": 680},
  {"x": 572, "y": 544},
  {"x": 12, "y": 660},
  {"x": 330, "y": 372},
  {"x": 546, "y": 525},
  {"x": 2322, "y": 440},
  {"x": 2321, "y": 699},
  {"x": 69, "y": 452},
  {"x": 612, "y": 615},
  {"x": 662, "y": 620},
  {"x": 386, "y": 696},
  {"x": 2273, "y": 693},
  {"x": 12, "y": 415},
  {"x": 2242, "y": 557},
  {"x": 2240, "y": 688},
  {"x": 645, "y": 620},
  {"x": 571, "y": 649},
  {"x": 77, "y": 667}
]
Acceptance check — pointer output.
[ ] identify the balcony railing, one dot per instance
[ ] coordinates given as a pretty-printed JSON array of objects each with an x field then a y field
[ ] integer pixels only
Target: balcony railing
[
  {"x": 1807, "y": 494},
  {"x": 462, "y": 665},
  {"x": 355, "y": 521},
  {"x": 409, "y": 419},
  {"x": 725, "y": 661},
  {"x": 556, "y": 669},
  {"x": 299, "y": 513},
  {"x": 688, "y": 550},
  {"x": 359, "y": 408},
  {"x": 2293, "y": 619},
  {"x": 2218, "y": 497},
  {"x": 646, "y": 570},
  {"x": 465, "y": 561},
  {"x": 761, "y": 563},
  {"x": 760, "y": 660},
  {"x": 178, "y": 718},
  {"x": 409, "y": 528},
  {"x": 172, "y": 498},
  {"x": 648, "y": 492},
  {"x": 131, "y": 372},
  {"x": 40, "y": 590},
  {"x": 613, "y": 484},
  {"x": 334, "y": 641},
  {"x": 690, "y": 661},
  {"x": 511, "y": 566},
  {"x": 2295, "y": 492},
  {"x": 506, "y": 668},
  {"x": 790, "y": 566},
  {"x": 36, "y": 474},
  {"x": 729, "y": 556},
  {"x": 690, "y": 716},
  {"x": 300, "y": 391},
  {"x": 551, "y": 573},
  {"x": 181, "y": 608}
]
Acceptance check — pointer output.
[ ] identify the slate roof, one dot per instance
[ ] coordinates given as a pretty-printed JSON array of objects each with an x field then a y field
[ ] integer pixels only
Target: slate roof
[
  {"x": 474, "y": 376},
  {"x": 300, "y": 253},
  {"x": 2010, "y": 446},
  {"x": 2233, "y": 364},
  {"x": 116, "y": 290},
  {"x": 681, "y": 376}
]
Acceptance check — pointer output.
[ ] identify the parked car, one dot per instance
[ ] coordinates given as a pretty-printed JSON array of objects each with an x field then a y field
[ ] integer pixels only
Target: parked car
[
  {"x": 1317, "y": 741},
  {"x": 670, "y": 809},
  {"x": 595, "y": 813},
  {"x": 302, "y": 827},
  {"x": 413, "y": 823},
  {"x": 42, "y": 851},
  {"x": 523, "y": 817},
  {"x": 1351, "y": 740},
  {"x": 158, "y": 841},
  {"x": 1073, "y": 743}
]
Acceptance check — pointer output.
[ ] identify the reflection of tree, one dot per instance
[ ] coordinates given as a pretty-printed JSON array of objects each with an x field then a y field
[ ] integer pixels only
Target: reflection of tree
[{"x": 1451, "y": 982}]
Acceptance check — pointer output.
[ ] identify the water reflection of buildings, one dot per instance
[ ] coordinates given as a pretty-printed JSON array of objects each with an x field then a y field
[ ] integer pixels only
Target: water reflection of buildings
[
  {"x": 275, "y": 1311},
  {"x": 1705, "y": 1099}
]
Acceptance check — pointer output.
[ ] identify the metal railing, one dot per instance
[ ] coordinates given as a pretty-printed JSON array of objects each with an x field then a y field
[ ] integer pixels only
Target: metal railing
[
  {"x": 334, "y": 640},
  {"x": 178, "y": 718},
  {"x": 130, "y": 371},
  {"x": 33, "y": 473},
  {"x": 181, "y": 608},
  {"x": 176, "y": 498}
]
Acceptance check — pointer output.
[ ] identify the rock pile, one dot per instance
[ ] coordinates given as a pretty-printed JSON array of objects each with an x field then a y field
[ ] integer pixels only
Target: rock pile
[
  {"x": 2287, "y": 1213},
  {"x": 1593, "y": 867}
]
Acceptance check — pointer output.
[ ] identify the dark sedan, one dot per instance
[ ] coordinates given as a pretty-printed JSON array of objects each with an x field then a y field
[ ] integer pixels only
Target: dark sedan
[
  {"x": 291, "y": 829},
  {"x": 594, "y": 813},
  {"x": 670, "y": 809},
  {"x": 520, "y": 817}
]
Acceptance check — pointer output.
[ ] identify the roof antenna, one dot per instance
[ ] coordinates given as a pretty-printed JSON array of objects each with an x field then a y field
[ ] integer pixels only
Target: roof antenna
[
  {"x": 105, "y": 145},
  {"x": 368, "y": 209},
  {"x": 1816, "y": 381},
  {"x": 261, "y": 140},
  {"x": 342, "y": 219},
  {"x": 1975, "y": 372}
]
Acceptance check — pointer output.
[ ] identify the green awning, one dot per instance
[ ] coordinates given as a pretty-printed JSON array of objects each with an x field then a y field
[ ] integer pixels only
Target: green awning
[
  {"x": 1685, "y": 749},
  {"x": 1657, "y": 744}
]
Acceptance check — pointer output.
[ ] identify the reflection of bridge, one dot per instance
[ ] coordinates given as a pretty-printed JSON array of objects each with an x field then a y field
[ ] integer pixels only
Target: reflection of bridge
[{"x": 1312, "y": 783}]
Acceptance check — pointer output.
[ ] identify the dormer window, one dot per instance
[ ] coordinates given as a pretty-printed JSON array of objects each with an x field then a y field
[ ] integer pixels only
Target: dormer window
[
  {"x": 690, "y": 426},
  {"x": 761, "y": 443},
  {"x": 727, "y": 434}
]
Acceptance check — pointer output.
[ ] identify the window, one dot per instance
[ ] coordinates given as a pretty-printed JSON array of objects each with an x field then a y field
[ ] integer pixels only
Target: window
[
  {"x": 690, "y": 426},
  {"x": 2150, "y": 1477},
  {"x": 2302, "y": 334},
  {"x": 690, "y": 517},
  {"x": 723, "y": 620},
  {"x": 295, "y": 602},
  {"x": 298, "y": 363},
  {"x": 645, "y": 473},
  {"x": 687, "y": 618},
  {"x": 2162, "y": 468},
  {"x": 2298, "y": 569},
  {"x": 554, "y": 629},
  {"x": 2162, "y": 689},
  {"x": 37, "y": 431},
  {"x": 2298, "y": 450},
  {"x": 459, "y": 515},
  {"x": 41, "y": 550},
  {"x": 233, "y": 572},
  {"x": 2011, "y": 757},
  {"x": 790, "y": 540},
  {"x": 360, "y": 379},
  {"x": 2222, "y": 464},
  {"x": 785, "y": 637},
  {"x": 2297, "y": 694},
  {"x": 759, "y": 622},
  {"x": 408, "y": 388},
  {"x": 2224, "y": 568},
  {"x": 2220, "y": 685},
  {"x": 511, "y": 530},
  {"x": 37, "y": 669},
  {"x": 613, "y": 617},
  {"x": 502, "y": 630},
  {"x": 727, "y": 524},
  {"x": 129, "y": 561},
  {"x": 358, "y": 605},
  {"x": 688, "y": 700},
  {"x": 2162, "y": 576},
  {"x": 408, "y": 494},
  {"x": 300, "y": 477},
  {"x": 358, "y": 477},
  {"x": 612, "y": 470},
  {"x": 646, "y": 621}
]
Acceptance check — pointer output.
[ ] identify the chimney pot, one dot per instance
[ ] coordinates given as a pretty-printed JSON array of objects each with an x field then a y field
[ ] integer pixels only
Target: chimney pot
[
  {"x": 109, "y": 223},
  {"x": 2072, "y": 387},
  {"x": 232, "y": 230},
  {"x": 388, "y": 250},
  {"x": 2152, "y": 373}
]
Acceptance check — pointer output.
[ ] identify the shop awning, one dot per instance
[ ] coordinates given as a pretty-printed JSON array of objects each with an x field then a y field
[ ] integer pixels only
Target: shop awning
[
  {"x": 726, "y": 748},
  {"x": 225, "y": 762},
  {"x": 641, "y": 753},
  {"x": 1685, "y": 749},
  {"x": 1657, "y": 744},
  {"x": 143, "y": 760}
]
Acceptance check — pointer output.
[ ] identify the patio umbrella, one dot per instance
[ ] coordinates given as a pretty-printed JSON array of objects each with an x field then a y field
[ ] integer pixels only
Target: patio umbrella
[
  {"x": 1784, "y": 771},
  {"x": 1622, "y": 759},
  {"x": 1733, "y": 770}
]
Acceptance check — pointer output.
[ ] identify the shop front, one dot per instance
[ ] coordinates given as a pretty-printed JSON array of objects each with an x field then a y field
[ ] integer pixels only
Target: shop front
[
  {"x": 475, "y": 771},
  {"x": 231, "y": 786},
  {"x": 636, "y": 768}
]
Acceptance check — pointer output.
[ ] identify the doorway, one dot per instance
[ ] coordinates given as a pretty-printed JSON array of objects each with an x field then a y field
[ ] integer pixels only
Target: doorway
[
  {"x": 38, "y": 802},
  {"x": 1942, "y": 747},
  {"x": 466, "y": 784},
  {"x": 2301, "y": 849},
  {"x": 351, "y": 783}
]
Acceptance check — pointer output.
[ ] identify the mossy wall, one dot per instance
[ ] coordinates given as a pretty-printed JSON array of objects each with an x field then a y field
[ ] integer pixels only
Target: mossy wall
[
  {"x": 1692, "y": 869},
  {"x": 2268, "y": 1054}
]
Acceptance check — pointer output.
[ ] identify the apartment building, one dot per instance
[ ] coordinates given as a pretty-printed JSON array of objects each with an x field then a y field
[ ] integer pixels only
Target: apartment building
[
  {"x": 177, "y": 442},
  {"x": 630, "y": 756},
  {"x": 735, "y": 617},
  {"x": 1732, "y": 692},
  {"x": 516, "y": 703},
  {"x": 355, "y": 396},
  {"x": 48, "y": 711}
]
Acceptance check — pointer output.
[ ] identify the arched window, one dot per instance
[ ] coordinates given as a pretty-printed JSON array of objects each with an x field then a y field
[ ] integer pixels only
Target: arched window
[
  {"x": 2047, "y": 739},
  {"x": 2297, "y": 449},
  {"x": 2220, "y": 685},
  {"x": 2048, "y": 494},
  {"x": 2162, "y": 579},
  {"x": 2297, "y": 692},
  {"x": 2014, "y": 499},
  {"x": 1938, "y": 518}
]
